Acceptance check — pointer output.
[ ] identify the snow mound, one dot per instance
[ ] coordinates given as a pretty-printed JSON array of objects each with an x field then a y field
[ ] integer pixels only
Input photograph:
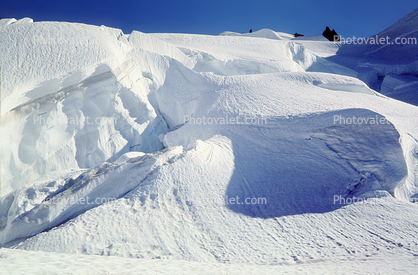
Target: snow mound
[
  {"x": 263, "y": 33},
  {"x": 86, "y": 102},
  {"x": 74, "y": 51},
  {"x": 270, "y": 34},
  {"x": 8, "y": 21}
]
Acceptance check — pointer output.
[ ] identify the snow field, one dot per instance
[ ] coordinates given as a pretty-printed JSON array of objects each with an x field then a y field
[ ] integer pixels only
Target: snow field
[{"x": 239, "y": 152}]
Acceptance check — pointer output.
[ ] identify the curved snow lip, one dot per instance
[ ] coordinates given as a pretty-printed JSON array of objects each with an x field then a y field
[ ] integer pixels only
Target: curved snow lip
[
  {"x": 117, "y": 121},
  {"x": 47, "y": 209},
  {"x": 312, "y": 165}
]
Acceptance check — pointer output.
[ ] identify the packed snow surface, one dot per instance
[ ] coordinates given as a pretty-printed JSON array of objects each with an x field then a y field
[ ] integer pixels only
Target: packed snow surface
[{"x": 240, "y": 149}]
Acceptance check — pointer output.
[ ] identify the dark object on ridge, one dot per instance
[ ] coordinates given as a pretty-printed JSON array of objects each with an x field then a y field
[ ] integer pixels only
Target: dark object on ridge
[
  {"x": 331, "y": 35},
  {"x": 297, "y": 34},
  {"x": 251, "y": 30}
]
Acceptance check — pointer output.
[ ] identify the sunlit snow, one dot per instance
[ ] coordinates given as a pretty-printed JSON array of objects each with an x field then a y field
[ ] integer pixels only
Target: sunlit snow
[{"x": 237, "y": 150}]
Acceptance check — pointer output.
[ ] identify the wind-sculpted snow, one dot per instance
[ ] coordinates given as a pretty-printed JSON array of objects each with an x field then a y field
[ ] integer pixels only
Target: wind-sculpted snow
[
  {"x": 44, "y": 209},
  {"x": 255, "y": 148},
  {"x": 64, "y": 54},
  {"x": 86, "y": 102}
]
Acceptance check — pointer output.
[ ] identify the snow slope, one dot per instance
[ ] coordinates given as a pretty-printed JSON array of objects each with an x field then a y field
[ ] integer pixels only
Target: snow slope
[
  {"x": 395, "y": 55},
  {"x": 216, "y": 149},
  {"x": 54, "y": 263}
]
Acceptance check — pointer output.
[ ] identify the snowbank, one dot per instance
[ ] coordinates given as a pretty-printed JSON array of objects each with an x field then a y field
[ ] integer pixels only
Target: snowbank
[{"x": 78, "y": 95}]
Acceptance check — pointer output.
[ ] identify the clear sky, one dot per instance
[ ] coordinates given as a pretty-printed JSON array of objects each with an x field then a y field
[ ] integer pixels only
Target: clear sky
[{"x": 359, "y": 18}]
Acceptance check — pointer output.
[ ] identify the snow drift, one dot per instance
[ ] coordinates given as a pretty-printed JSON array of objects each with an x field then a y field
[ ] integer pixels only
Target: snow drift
[{"x": 231, "y": 148}]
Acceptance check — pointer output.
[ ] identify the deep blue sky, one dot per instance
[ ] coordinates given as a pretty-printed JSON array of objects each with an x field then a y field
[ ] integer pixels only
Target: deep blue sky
[{"x": 357, "y": 17}]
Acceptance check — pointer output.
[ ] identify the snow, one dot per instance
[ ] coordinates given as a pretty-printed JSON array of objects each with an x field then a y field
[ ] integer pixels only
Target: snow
[
  {"x": 263, "y": 33},
  {"x": 401, "y": 87},
  {"x": 392, "y": 51},
  {"x": 40, "y": 262},
  {"x": 237, "y": 153}
]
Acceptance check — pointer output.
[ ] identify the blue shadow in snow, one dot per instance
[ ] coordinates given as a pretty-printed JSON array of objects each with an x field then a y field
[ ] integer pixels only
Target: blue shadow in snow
[{"x": 302, "y": 165}]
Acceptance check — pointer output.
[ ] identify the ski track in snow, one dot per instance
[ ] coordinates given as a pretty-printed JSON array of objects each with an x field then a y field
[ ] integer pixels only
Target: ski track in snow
[{"x": 150, "y": 146}]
